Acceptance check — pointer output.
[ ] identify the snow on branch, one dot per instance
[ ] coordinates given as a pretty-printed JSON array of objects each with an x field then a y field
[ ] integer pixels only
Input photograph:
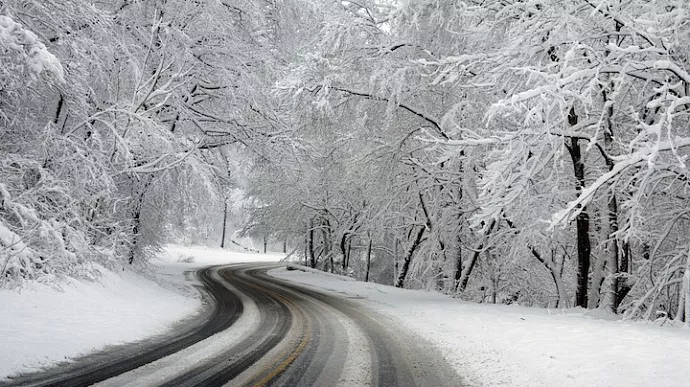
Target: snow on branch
[
  {"x": 160, "y": 164},
  {"x": 26, "y": 44},
  {"x": 470, "y": 142},
  {"x": 674, "y": 68},
  {"x": 426, "y": 117},
  {"x": 622, "y": 163}
]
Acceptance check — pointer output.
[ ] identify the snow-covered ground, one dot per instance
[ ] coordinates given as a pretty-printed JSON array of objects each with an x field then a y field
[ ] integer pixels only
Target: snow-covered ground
[
  {"x": 41, "y": 326},
  {"x": 497, "y": 345},
  {"x": 490, "y": 345},
  {"x": 205, "y": 256}
]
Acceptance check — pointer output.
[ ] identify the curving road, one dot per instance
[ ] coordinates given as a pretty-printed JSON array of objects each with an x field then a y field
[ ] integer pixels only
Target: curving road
[{"x": 265, "y": 331}]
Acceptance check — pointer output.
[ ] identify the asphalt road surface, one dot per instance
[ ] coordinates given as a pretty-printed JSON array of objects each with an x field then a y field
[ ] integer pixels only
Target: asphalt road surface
[{"x": 264, "y": 331}]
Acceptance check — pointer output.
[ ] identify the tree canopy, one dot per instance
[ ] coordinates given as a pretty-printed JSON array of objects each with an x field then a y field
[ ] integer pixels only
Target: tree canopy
[{"x": 504, "y": 151}]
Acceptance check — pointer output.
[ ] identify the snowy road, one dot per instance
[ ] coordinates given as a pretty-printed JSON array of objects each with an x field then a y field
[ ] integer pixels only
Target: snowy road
[{"x": 266, "y": 331}]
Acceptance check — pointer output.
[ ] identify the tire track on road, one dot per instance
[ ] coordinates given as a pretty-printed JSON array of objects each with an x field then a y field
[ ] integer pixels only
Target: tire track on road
[{"x": 291, "y": 335}]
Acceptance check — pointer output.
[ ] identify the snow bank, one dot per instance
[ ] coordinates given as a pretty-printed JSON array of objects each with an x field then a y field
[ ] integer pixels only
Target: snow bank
[
  {"x": 41, "y": 326},
  {"x": 498, "y": 345},
  {"x": 200, "y": 256}
]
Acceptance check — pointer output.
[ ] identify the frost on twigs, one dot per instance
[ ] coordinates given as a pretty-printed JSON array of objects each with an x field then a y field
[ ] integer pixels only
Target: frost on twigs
[
  {"x": 42, "y": 232},
  {"x": 32, "y": 55}
]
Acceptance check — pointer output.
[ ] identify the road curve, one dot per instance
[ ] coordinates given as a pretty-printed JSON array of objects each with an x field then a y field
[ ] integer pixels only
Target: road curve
[
  {"x": 271, "y": 332},
  {"x": 396, "y": 357}
]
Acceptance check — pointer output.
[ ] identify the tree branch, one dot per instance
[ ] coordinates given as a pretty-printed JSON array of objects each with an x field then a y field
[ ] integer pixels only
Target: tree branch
[{"x": 434, "y": 122}]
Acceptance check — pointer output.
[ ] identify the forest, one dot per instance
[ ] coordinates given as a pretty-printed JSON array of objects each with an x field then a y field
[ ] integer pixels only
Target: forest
[{"x": 502, "y": 151}]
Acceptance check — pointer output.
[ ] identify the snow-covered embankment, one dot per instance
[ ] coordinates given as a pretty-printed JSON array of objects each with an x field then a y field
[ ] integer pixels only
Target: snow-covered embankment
[
  {"x": 43, "y": 325},
  {"x": 499, "y": 345}
]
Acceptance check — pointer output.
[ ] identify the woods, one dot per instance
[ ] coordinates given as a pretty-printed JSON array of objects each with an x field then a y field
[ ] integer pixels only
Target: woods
[
  {"x": 113, "y": 119},
  {"x": 501, "y": 151}
]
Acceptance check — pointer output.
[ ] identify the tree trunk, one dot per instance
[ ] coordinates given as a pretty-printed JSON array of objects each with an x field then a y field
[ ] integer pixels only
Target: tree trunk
[
  {"x": 684, "y": 296},
  {"x": 327, "y": 244},
  {"x": 349, "y": 251},
  {"x": 343, "y": 251},
  {"x": 136, "y": 215},
  {"x": 407, "y": 259},
  {"x": 396, "y": 254},
  {"x": 457, "y": 275},
  {"x": 494, "y": 276},
  {"x": 440, "y": 274},
  {"x": 582, "y": 220},
  {"x": 607, "y": 294},
  {"x": 368, "y": 261},
  {"x": 225, "y": 222},
  {"x": 623, "y": 285},
  {"x": 616, "y": 288},
  {"x": 597, "y": 275},
  {"x": 609, "y": 287},
  {"x": 467, "y": 270},
  {"x": 58, "y": 111},
  {"x": 618, "y": 260},
  {"x": 312, "y": 255},
  {"x": 136, "y": 222},
  {"x": 557, "y": 281},
  {"x": 306, "y": 250}
]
